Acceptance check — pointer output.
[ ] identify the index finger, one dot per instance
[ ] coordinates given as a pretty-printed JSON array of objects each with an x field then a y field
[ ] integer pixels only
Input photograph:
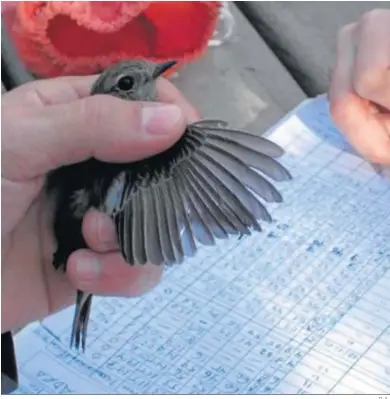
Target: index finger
[
  {"x": 65, "y": 89},
  {"x": 372, "y": 67},
  {"x": 357, "y": 118}
]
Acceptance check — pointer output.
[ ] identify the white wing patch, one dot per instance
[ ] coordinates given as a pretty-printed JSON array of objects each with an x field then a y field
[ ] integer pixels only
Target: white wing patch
[
  {"x": 80, "y": 203},
  {"x": 113, "y": 201}
]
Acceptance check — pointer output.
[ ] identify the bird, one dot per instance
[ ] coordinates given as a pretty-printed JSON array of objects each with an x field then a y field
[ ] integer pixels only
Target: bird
[{"x": 210, "y": 185}]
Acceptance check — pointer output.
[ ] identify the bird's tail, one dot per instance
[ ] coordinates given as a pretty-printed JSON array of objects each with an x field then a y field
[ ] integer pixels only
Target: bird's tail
[{"x": 80, "y": 321}]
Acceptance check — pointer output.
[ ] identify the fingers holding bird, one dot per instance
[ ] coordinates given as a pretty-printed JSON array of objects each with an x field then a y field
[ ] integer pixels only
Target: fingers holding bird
[
  {"x": 102, "y": 270},
  {"x": 66, "y": 89}
]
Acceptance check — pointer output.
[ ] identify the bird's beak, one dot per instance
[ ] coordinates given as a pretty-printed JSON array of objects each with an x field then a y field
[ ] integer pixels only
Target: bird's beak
[{"x": 161, "y": 68}]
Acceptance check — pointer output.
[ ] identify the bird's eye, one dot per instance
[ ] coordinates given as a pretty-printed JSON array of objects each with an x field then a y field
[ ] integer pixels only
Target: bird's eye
[{"x": 125, "y": 83}]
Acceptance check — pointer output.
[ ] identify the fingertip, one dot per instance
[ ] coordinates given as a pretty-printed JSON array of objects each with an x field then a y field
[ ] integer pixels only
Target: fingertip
[
  {"x": 342, "y": 97},
  {"x": 342, "y": 72},
  {"x": 371, "y": 70},
  {"x": 99, "y": 231}
]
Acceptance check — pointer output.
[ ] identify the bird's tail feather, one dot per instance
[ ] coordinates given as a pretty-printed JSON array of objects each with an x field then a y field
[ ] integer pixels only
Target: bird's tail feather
[{"x": 80, "y": 321}]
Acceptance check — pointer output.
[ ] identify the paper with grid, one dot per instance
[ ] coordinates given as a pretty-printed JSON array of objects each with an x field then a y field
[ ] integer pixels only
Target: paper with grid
[{"x": 303, "y": 307}]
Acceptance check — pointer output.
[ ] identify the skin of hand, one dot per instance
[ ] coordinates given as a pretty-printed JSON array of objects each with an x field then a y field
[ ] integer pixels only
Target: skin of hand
[
  {"x": 54, "y": 122},
  {"x": 360, "y": 86}
]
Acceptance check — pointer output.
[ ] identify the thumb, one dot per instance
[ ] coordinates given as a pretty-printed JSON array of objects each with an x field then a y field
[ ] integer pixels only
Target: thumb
[{"x": 36, "y": 141}]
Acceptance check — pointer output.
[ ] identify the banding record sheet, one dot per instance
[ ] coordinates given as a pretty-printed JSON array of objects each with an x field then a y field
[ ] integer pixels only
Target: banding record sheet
[{"x": 303, "y": 307}]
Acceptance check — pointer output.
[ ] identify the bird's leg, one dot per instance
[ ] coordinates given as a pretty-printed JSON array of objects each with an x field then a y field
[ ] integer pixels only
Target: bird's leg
[
  {"x": 68, "y": 232},
  {"x": 80, "y": 320}
]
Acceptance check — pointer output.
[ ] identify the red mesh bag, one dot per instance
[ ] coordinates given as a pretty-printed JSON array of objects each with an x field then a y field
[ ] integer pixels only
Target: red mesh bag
[{"x": 84, "y": 37}]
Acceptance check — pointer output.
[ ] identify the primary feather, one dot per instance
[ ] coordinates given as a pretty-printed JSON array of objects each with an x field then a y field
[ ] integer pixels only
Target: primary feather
[{"x": 209, "y": 185}]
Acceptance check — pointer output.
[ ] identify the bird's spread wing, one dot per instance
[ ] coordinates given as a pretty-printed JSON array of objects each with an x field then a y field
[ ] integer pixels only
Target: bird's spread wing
[{"x": 210, "y": 185}]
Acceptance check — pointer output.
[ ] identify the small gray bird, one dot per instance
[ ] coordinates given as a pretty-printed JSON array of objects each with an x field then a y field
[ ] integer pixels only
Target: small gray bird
[{"x": 207, "y": 186}]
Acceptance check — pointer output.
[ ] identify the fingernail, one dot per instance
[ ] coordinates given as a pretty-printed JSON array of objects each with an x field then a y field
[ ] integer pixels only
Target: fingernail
[
  {"x": 88, "y": 267},
  {"x": 161, "y": 119}
]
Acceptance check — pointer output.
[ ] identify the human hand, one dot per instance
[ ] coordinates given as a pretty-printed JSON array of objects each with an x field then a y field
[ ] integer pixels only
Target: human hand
[
  {"x": 360, "y": 85},
  {"x": 49, "y": 123}
]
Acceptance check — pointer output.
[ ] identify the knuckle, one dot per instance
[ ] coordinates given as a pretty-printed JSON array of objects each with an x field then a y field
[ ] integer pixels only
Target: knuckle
[
  {"x": 133, "y": 111},
  {"x": 94, "y": 110},
  {"x": 130, "y": 120},
  {"x": 93, "y": 120}
]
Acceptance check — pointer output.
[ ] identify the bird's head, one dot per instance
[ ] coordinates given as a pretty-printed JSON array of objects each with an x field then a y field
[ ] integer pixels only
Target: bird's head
[{"x": 131, "y": 80}]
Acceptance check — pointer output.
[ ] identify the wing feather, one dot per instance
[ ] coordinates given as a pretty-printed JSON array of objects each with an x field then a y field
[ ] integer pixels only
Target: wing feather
[
  {"x": 181, "y": 206},
  {"x": 257, "y": 143},
  {"x": 200, "y": 228},
  {"x": 243, "y": 173},
  {"x": 173, "y": 228},
  {"x": 205, "y": 207},
  {"x": 137, "y": 229},
  {"x": 255, "y": 209},
  {"x": 163, "y": 229},
  {"x": 229, "y": 204},
  {"x": 257, "y": 160},
  {"x": 127, "y": 231},
  {"x": 152, "y": 241}
]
